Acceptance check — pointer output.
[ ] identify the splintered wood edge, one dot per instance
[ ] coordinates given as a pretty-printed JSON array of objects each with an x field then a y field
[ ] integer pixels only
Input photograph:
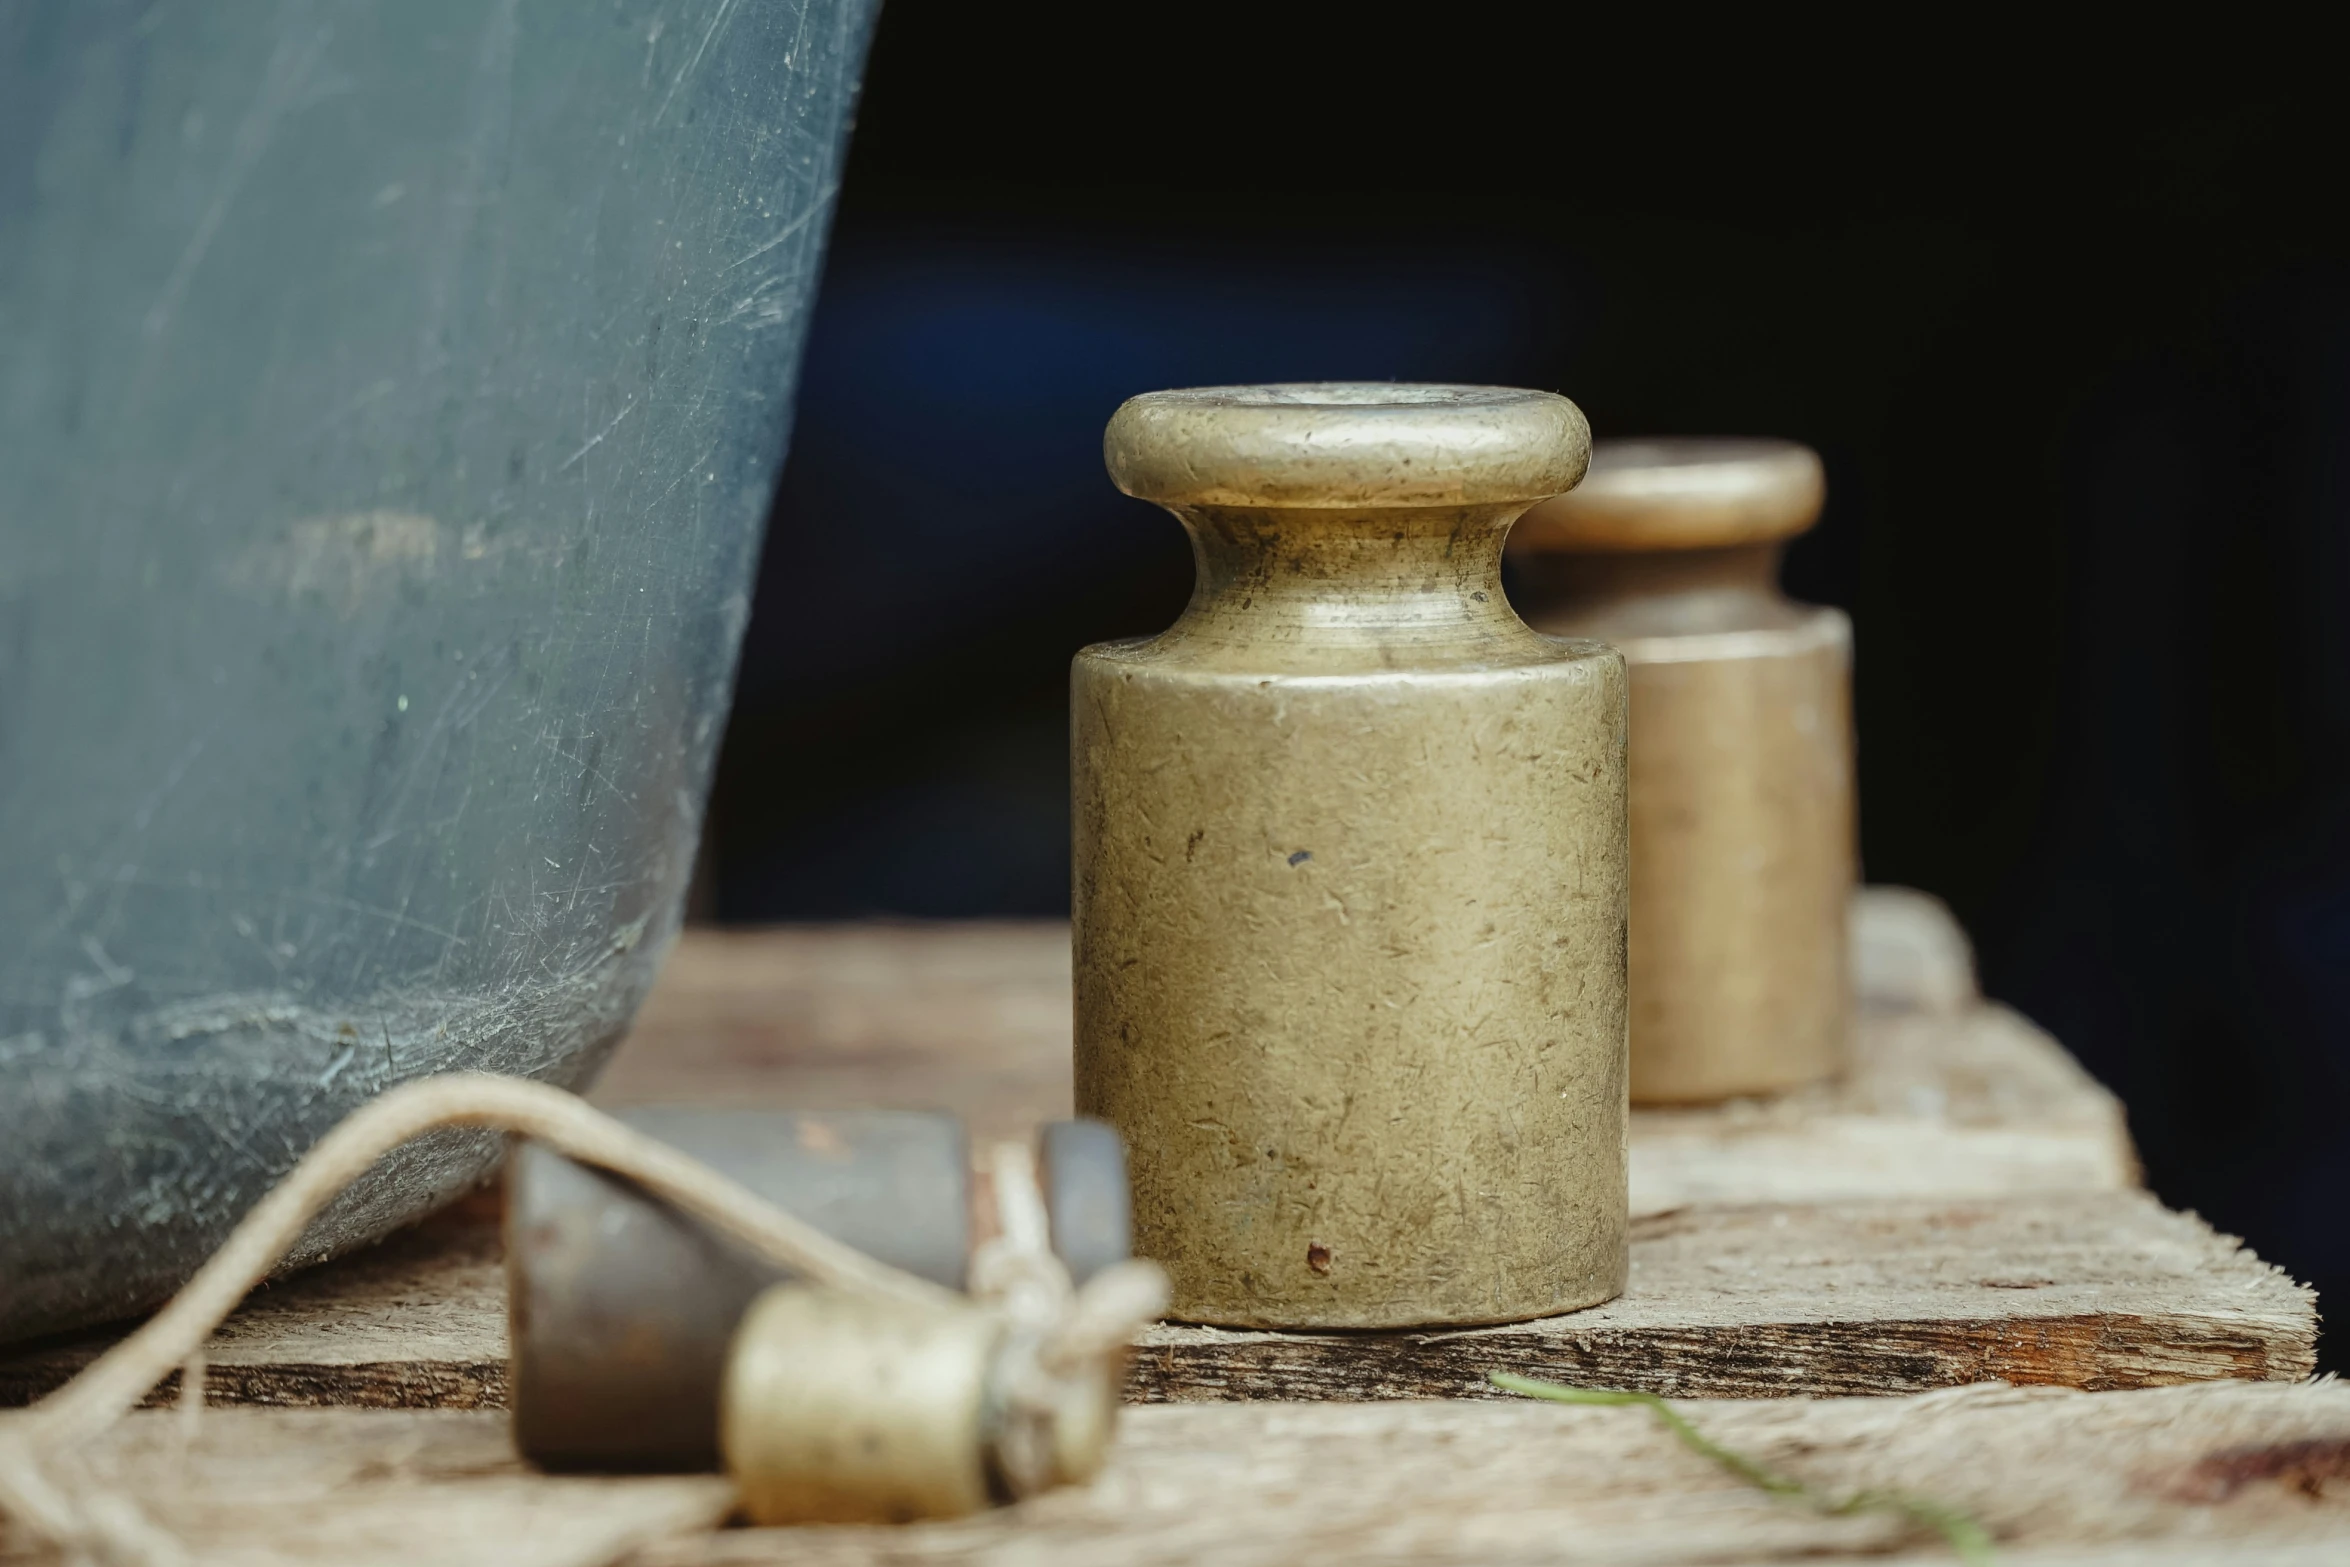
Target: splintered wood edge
[
  {"x": 2091, "y": 1353},
  {"x": 362, "y": 1384},
  {"x": 2123, "y": 1294},
  {"x": 2134, "y": 1296}
]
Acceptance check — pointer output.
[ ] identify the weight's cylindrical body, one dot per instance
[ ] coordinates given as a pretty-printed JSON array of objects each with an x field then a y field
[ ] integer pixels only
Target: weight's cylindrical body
[
  {"x": 1349, "y": 892},
  {"x": 1741, "y": 754}
]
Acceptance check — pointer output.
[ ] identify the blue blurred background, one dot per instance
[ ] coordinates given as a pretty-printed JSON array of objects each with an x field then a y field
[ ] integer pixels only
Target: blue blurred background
[
  {"x": 2073, "y": 337},
  {"x": 945, "y": 537}
]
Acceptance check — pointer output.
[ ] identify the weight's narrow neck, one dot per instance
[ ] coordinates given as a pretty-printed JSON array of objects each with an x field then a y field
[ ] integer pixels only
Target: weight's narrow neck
[
  {"x": 1388, "y": 588},
  {"x": 1663, "y": 593}
]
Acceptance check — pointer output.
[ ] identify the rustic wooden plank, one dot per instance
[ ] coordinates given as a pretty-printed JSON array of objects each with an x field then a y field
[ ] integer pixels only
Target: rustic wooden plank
[
  {"x": 2096, "y": 1290},
  {"x": 358, "y": 1487},
  {"x": 2178, "y": 1477},
  {"x": 1973, "y": 1103},
  {"x": 1965, "y": 1102},
  {"x": 418, "y": 1322},
  {"x": 2092, "y": 1290},
  {"x": 969, "y": 1016},
  {"x": 2208, "y": 1474},
  {"x": 1909, "y": 953},
  {"x": 976, "y": 1017}
]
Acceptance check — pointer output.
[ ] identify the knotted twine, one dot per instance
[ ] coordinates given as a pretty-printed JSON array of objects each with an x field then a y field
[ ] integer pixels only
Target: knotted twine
[{"x": 1054, "y": 1331}]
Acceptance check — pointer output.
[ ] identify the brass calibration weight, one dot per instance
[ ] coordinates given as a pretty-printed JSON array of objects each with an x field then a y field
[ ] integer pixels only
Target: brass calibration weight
[
  {"x": 1350, "y": 871},
  {"x": 1742, "y": 791}
]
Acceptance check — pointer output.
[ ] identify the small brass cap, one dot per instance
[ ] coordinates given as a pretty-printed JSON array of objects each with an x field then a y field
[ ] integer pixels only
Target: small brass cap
[
  {"x": 1682, "y": 493},
  {"x": 1346, "y": 444}
]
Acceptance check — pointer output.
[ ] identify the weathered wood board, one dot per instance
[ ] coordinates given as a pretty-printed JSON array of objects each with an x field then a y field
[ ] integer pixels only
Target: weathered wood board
[
  {"x": 1774, "y": 1253},
  {"x": 2093, "y": 1291},
  {"x": 2177, "y": 1477},
  {"x": 417, "y": 1322},
  {"x": 2089, "y": 1290},
  {"x": 2191, "y": 1475},
  {"x": 1962, "y": 1101},
  {"x": 971, "y": 1017},
  {"x": 1956, "y": 1210},
  {"x": 359, "y": 1487},
  {"x": 1977, "y": 1103}
]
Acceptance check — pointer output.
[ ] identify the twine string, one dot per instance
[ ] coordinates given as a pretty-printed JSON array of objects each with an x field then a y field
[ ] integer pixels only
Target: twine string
[
  {"x": 1062, "y": 1343},
  {"x": 96, "y": 1523}
]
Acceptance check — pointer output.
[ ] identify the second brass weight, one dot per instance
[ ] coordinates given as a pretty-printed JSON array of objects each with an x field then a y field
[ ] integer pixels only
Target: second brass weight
[
  {"x": 1350, "y": 871},
  {"x": 1742, "y": 792}
]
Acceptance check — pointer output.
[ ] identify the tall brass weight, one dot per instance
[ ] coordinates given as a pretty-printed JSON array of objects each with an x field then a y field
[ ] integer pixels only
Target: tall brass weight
[
  {"x": 1350, "y": 876},
  {"x": 1742, "y": 811}
]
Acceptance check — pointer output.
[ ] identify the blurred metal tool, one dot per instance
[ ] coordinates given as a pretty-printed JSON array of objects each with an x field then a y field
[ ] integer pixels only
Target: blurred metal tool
[{"x": 623, "y": 1310}]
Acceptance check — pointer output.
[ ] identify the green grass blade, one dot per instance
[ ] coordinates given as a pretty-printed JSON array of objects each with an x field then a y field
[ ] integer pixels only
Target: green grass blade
[{"x": 1964, "y": 1534}]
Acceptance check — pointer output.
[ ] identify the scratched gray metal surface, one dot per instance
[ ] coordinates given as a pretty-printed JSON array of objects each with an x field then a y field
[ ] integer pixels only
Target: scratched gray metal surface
[{"x": 391, "y": 392}]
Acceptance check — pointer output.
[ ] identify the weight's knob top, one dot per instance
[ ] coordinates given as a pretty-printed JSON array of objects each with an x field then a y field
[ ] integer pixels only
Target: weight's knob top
[
  {"x": 1346, "y": 445},
  {"x": 1686, "y": 493}
]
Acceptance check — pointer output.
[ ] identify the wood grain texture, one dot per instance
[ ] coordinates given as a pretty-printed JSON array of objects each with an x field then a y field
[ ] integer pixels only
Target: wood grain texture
[
  {"x": 2088, "y": 1290},
  {"x": 2179, "y": 1477},
  {"x": 418, "y": 1322},
  {"x": 2170, "y": 1476},
  {"x": 976, "y": 1018},
  {"x": 970, "y": 1017},
  {"x": 1976, "y": 1104},
  {"x": 360, "y": 1487},
  {"x": 1944, "y": 1108},
  {"x": 2094, "y": 1291},
  {"x": 2175, "y": 1477}
]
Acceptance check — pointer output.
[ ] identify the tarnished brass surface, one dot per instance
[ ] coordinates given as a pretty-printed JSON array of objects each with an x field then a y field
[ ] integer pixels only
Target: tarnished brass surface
[
  {"x": 1741, "y": 754},
  {"x": 841, "y": 1408},
  {"x": 1350, "y": 876},
  {"x": 622, "y": 1308}
]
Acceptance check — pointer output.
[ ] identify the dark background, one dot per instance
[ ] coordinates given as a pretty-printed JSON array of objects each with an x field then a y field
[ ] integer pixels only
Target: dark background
[{"x": 2073, "y": 337}]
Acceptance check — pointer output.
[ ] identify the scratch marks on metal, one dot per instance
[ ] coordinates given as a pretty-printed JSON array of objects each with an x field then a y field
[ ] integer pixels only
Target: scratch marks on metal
[
  {"x": 597, "y": 439},
  {"x": 284, "y": 84},
  {"x": 820, "y": 204},
  {"x": 405, "y": 549},
  {"x": 717, "y": 20}
]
